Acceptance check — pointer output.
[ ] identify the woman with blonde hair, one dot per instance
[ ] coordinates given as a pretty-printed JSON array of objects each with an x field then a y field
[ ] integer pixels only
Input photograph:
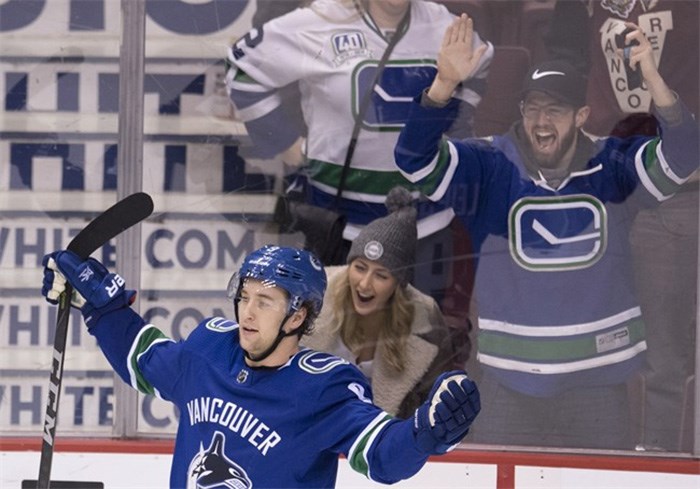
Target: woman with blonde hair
[{"x": 374, "y": 318}]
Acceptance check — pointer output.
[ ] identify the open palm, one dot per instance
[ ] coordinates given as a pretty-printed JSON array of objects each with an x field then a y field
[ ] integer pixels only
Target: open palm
[{"x": 457, "y": 59}]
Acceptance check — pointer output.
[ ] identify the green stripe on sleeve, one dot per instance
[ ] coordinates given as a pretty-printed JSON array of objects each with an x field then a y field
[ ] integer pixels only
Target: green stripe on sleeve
[
  {"x": 358, "y": 453},
  {"x": 144, "y": 341},
  {"x": 656, "y": 174},
  {"x": 429, "y": 184}
]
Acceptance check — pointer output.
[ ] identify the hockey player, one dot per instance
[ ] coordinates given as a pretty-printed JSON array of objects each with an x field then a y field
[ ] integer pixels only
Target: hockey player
[
  {"x": 258, "y": 411},
  {"x": 550, "y": 209}
]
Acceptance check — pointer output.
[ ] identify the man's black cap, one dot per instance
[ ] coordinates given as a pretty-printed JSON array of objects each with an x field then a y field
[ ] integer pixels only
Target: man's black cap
[{"x": 558, "y": 79}]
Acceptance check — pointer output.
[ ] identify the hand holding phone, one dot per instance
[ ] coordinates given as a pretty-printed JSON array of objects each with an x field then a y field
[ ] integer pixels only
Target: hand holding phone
[{"x": 634, "y": 77}]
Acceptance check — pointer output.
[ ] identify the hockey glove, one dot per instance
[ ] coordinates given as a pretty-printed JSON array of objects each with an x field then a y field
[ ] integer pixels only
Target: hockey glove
[
  {"x": 442, "y": 421},
  {"x": 55, "y": 284},
  {"x": 96, "y": 290}
]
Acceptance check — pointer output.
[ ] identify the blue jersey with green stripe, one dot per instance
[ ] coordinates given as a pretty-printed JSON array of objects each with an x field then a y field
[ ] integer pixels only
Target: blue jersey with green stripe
[
  {"x": 555, "y": 299},
  {"x": 249, "y": 427}
]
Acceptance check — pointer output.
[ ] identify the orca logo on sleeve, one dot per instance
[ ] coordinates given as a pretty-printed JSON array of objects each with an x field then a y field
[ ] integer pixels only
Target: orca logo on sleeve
[
  {"x": 392, "y": 95},
  {"x": 548, "y": 234},
  {"x": 212, "y": 469}
]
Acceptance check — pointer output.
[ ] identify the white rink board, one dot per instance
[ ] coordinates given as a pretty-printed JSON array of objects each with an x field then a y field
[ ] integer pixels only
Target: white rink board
[
  {"x": 151, "y": 471},
  {"x": 550, "y": 478}
]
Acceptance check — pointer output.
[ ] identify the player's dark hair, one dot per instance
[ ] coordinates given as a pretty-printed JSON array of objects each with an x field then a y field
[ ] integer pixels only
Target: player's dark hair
[{"x": 307, "y": 327}]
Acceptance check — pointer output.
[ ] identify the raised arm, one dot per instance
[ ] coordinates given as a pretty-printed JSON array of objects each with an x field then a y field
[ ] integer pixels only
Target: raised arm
[
  {"x": 641, "y": 57},
  {"x": 668, "y": 161},
  {"x": 424, "y": 158},
  {"x": 105, "y": 303}
]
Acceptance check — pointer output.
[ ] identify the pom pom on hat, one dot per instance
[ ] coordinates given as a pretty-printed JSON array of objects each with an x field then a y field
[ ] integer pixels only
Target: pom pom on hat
[
  {"x": 397, "y": 199},
  {"x": 391, "y": 240}
]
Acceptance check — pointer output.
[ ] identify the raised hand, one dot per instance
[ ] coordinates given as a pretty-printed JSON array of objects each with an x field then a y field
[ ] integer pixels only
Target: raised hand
[
  {"x": 641, "y": 57},
  {"x": 457, "y": 58},
  {"x": 97, "y": 290},
  {"x": 639, "y": 50},
  {"x": 445, "y": 417},
  {"x": 55, "y": 284}
]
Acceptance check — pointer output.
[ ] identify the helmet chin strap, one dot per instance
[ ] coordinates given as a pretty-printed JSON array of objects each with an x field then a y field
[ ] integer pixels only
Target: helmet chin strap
[{"x": 280, "y": 336}]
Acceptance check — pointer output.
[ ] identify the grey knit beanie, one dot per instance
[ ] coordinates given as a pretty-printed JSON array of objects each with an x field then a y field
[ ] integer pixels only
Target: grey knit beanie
[{"x": 391, "y": 240}]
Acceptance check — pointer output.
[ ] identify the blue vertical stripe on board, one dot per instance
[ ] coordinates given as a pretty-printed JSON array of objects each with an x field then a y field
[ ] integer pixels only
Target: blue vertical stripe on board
[
  {"x": 15, "y": 91},
  {"x": 175, "y": 168},
  {"x": 87, "y": 15},
  {"x": 109, "y": 176},
  {"x": 67, "y": 92}
]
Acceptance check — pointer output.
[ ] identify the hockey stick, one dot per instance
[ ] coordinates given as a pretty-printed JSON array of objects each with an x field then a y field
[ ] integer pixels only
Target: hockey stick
[{"x": 121, "y": 216}]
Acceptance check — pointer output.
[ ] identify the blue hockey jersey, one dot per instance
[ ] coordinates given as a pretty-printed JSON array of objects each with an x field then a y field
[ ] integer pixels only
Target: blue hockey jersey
[
  {"x": 555, "y": 299},
  {"x": 248, "y": 427}
]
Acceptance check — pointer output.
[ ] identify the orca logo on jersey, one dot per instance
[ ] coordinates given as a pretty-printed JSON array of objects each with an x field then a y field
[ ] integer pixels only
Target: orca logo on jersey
[
  {"x": 557, "y": 233},
  {"x": 212, "y": 469}
]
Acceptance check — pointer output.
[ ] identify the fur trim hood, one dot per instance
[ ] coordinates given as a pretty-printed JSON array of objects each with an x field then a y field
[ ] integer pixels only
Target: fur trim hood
[{"x": 389, "y": 387}]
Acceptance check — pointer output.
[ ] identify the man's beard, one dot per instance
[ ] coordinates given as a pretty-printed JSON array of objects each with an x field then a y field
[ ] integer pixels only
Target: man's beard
[{"x": 555, "y": 160}]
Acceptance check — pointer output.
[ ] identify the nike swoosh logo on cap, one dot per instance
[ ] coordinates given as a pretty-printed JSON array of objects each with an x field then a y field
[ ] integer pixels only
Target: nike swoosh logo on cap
[{"x": 539, "y": 74}]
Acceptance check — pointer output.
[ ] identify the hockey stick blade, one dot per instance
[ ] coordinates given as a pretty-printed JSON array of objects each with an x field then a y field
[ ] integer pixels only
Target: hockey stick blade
[{"x": 127, "y": 212}]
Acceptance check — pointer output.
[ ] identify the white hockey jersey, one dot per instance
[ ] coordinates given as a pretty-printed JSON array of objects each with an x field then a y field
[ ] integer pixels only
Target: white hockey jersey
[{"x": 333, "y": 51}]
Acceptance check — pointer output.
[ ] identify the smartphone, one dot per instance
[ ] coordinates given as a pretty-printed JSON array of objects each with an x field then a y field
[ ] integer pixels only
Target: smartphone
[{"x": 634, "y": 77}]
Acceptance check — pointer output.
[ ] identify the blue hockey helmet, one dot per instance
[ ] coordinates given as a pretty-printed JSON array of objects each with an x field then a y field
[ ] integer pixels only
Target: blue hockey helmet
[{"x": 297, "y": 271}]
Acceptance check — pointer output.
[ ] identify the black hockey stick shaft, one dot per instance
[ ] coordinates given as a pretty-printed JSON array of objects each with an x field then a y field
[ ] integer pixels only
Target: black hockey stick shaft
[{"x": 127, "y": 212}]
